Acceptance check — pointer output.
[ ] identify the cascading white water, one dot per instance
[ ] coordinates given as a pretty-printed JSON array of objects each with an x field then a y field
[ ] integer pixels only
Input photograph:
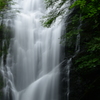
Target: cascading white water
[{"x": 32, "y": 68}]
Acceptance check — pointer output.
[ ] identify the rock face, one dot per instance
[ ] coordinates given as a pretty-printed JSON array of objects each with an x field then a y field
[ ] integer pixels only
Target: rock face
[
  {"x": 1, "y": 87},
  {"x": 84, "y": 78}
]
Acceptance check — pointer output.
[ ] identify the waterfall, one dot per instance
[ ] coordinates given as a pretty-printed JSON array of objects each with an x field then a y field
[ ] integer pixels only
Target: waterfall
[
  {"x": 69, "y": 61},
  {"x": 31, "y": 71}
]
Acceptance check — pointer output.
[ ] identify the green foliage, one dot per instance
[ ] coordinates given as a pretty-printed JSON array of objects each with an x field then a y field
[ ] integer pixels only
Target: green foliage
[
  {"x": 48, "y": 3},
  {"x": 49, "y": 19},
  {"x": 91, "y": 57},
  {"x": 69, "y": 35},
  {"x": 94, "y": 45},
  {"x": 51, "y": 3},
  {"x": 5, "y": 32},
  {"x": 80, "y": 3},
  {"x": 56, "y": 11},
  {"x": 87, "y": 61},
  {"x": 4, "y": 4},
  {"x": 6, "y": 8},
  {"x": 90, "y": 11},
  {"x": 88, "y": 8},
  {"x": 72, "y": 30}
]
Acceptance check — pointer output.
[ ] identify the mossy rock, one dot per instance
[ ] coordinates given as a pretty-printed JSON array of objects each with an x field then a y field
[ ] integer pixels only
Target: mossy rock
[
  {"x": 1, "y": 82},
  {"x": 1, "y": 87}
]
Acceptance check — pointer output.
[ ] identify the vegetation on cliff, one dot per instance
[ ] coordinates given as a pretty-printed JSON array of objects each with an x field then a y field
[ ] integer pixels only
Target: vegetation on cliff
[{"x": 5, "y": 34}]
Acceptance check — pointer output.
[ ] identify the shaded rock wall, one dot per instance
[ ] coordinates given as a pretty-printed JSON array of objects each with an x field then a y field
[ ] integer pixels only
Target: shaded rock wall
[{"x": 84, "y": 82}]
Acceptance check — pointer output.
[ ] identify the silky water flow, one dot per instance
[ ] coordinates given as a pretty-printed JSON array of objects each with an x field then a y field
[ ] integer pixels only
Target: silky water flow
[{"x": 32, "y": 64}]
